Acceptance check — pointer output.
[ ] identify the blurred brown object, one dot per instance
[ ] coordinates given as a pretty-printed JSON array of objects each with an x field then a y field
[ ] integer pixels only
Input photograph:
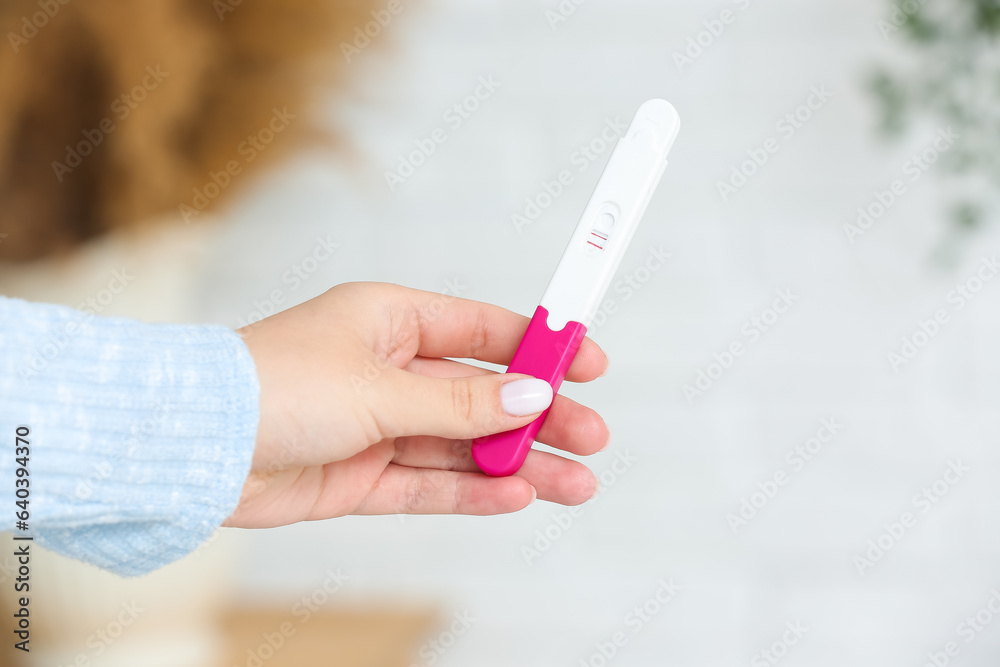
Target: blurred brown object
[
  {"x": 221, "y": 69},
  {"x": 342, "y": 638}
]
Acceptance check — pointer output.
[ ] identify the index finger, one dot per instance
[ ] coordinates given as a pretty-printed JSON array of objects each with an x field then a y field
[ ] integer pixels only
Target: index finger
[{"x": 450, "y": 326}]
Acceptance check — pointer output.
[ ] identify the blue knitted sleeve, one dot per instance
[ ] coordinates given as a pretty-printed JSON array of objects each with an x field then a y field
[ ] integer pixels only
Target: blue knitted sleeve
[{"x": 141, "y": 435}]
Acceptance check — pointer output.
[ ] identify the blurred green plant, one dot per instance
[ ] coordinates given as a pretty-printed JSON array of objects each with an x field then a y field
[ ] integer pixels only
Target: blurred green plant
[{"x": 948, "y": 74}]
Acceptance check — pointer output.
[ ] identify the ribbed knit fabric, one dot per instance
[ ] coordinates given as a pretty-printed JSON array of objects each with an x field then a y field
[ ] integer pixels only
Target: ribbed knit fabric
[{"x": 141, "y": 434}]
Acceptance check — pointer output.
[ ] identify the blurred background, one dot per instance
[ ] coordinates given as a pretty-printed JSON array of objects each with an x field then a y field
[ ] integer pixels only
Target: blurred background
[{"x": 826, "y": 497}]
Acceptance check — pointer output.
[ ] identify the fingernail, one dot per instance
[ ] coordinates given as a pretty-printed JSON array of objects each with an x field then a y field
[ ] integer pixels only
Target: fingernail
[
  {"x": 607, "y": 365},
  {"x": 534, "y": 495},
  {"x": 607, "y": 444},
  {"x": 525, "y": 397}
]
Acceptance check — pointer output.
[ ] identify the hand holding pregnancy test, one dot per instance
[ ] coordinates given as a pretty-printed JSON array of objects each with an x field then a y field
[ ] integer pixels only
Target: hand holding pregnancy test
[
  {"x": 363, "y": 408},
  {"x": 585, "y": 272}
]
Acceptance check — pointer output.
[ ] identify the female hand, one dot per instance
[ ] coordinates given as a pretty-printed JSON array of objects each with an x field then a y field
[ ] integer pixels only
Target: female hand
[{"x": 360, "y": 413}]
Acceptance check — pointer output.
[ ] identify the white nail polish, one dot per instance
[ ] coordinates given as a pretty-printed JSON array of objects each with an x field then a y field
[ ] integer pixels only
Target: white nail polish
[{"x": 525, "y": 397}]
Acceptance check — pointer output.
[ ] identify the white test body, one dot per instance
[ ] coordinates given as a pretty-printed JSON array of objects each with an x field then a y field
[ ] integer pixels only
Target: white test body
[{"x": 610, "y": 219}]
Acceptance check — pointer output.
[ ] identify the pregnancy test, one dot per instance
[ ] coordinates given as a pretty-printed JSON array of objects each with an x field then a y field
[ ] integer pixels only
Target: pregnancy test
[{"x": 585, "y": 272}]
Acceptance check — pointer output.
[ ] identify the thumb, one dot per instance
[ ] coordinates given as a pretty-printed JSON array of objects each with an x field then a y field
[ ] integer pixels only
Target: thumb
[{"x": 460, "y": 408}]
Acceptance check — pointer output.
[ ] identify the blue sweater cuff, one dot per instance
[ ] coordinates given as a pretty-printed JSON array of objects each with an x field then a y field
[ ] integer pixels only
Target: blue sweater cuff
[{"x": 142, "y": 435}]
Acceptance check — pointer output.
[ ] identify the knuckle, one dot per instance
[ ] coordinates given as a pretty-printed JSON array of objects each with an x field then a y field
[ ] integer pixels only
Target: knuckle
[
  {"x": 423, "y": 491},
  {"x": 413, "y": 495},
  {"x": 461, "y": 455},
  {"x": 480, "y": 335},
  {"x": 463, "y": 399}
]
